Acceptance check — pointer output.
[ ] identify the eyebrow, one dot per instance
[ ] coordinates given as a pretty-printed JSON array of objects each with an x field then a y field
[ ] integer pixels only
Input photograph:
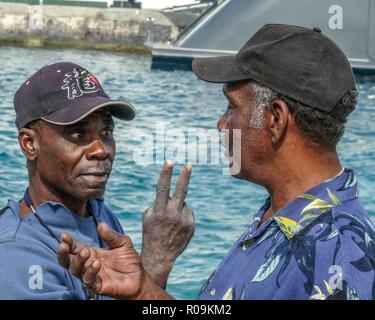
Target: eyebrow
[{"x": 230, "y": 100}]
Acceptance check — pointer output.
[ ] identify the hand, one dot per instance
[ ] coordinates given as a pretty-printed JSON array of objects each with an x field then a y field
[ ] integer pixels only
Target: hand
[
  {"x": 116, "y": 272},
  {"x": 168, "y": 225}
]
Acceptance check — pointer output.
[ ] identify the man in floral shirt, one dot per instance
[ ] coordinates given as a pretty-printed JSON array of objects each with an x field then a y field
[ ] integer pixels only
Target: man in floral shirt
[
  {"x": 290, "y": 91},
  {"x": 318, "y": 246}
]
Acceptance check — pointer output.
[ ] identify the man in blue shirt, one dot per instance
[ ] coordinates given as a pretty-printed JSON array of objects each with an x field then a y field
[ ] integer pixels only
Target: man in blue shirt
[
  {"x": 290, "y": 90},
  {"x": 65, "y": 125}
]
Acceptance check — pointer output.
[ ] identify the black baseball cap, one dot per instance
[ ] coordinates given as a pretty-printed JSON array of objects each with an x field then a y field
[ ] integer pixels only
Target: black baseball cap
[
  {"x": 298, "y": 62},
  {"x": 64, "y": 93}
]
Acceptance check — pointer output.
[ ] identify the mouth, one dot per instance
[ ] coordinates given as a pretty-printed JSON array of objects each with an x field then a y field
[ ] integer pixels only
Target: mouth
[
  {"x": 95, "y": 177},
  {"x": 96, "y": 173},
  {"x": 95, "y": 180}
]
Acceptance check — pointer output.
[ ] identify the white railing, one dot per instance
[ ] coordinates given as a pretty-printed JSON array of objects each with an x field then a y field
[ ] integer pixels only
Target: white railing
[{"x": 189, "y": 6}]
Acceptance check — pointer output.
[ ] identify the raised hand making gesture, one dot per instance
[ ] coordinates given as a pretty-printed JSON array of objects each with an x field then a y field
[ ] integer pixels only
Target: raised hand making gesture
[
  {"x": 119, "y": 271},
  {"x": 168, "y": 225}
]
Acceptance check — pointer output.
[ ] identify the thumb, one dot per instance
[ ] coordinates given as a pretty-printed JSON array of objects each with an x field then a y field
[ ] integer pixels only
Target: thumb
[{"x": 112, "y": 238}]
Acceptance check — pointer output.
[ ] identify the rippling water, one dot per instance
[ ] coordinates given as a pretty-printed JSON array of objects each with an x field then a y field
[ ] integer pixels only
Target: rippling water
[{"x": 223, "y": 205}]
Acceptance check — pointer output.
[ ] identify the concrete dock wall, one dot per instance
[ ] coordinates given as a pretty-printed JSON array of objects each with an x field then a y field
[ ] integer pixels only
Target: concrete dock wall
[{"x": 63, "y": 26}]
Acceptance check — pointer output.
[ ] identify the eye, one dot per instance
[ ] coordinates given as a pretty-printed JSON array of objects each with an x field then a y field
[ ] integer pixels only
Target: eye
[
  {"x": 107, "y": 132},
  {"x": 77, "y": 134}
]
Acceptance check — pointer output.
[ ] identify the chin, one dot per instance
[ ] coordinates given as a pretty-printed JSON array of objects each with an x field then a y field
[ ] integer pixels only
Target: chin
[
  {"x": 243, "y": 173},
  {"x": 240, "y": 175},
  {"x": 90, "y": 193},
  {"x": 97, "y": 193},
  {"x": 235, "y": 170}
]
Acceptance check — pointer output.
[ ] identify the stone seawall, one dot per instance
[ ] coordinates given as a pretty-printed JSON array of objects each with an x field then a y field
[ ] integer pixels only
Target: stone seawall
[{"x": 62, "y": 26}]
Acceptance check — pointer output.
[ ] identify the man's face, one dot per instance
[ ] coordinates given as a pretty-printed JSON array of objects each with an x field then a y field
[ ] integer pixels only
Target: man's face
[
  {"x": 77, "y": 159},
  {"x": 255, "y": 142}
]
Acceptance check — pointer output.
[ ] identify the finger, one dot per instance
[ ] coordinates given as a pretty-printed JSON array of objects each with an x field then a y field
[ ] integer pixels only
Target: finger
[
  {"x": 163, "y": 187},
  {"x": 189, "y": 213},
  {"x": 90, "y": 277},
  {"x": 182, "y": 186},
  {"x": 67, "y": 238},
  {"x": 111, "y": 237},
  {"x": 63, "y": 255},
  {"x": 77, "y": 262},
  {"x": 190, "y": 220}
]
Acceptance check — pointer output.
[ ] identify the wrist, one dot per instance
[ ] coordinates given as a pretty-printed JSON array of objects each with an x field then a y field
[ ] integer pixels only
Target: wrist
[
  {"x": 158, "y": 268},
  {"x": 149, "y": 290}
]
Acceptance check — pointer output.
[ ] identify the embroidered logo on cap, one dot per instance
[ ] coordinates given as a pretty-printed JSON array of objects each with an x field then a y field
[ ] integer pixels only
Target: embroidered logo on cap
[{"x": 79, "y": 82}]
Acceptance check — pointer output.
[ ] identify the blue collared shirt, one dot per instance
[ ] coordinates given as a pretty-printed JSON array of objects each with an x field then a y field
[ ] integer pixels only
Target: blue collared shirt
[
  {"x": 321, "y": 245},
  {"x": 28, "y": 263}
]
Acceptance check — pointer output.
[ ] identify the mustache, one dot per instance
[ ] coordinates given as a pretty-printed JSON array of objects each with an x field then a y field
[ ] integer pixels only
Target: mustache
[{"x": 101, "y": 168}]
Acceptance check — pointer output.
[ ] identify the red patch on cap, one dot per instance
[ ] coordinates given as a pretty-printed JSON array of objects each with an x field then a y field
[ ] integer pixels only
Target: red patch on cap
[{"x": 93, "y": 80}]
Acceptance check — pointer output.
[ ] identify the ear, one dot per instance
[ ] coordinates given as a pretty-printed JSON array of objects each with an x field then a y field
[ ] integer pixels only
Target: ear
[
  {"x": 29, "y": 143},
  {"x": 279, "y": 120}
]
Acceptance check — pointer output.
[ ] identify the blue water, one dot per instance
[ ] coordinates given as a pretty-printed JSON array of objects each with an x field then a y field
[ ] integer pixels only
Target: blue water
[{"x": 222, "y": 205}]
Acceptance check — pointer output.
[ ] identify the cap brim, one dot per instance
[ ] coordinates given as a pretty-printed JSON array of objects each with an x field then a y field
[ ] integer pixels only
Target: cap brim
[
  {"x": 218, "y": 69},
  {"x": 80, "y": 109}
]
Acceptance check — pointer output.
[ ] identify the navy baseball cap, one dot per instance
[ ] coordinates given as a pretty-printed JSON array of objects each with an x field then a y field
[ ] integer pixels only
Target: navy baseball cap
[
  {"x": 64, "y": 93},
  {"x": 298, "y": 62}
]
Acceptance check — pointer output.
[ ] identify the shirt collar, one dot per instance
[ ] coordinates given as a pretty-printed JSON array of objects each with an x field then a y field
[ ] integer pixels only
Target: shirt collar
[
  {"x": 95, "y": 205},
  {"x": 300, "y": 212}
]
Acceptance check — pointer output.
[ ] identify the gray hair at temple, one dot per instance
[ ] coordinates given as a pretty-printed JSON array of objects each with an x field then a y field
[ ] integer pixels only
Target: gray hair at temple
[{"x": 317, "y": 126}]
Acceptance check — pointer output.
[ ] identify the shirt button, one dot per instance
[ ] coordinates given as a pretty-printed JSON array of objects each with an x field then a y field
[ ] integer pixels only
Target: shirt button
[
  {"x": 212, "y": 292},
  {"x": 317, "y": 29}
]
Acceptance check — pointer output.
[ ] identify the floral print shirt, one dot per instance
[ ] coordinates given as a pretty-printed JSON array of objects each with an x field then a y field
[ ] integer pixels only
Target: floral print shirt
[{"x": 321, "y": 245}]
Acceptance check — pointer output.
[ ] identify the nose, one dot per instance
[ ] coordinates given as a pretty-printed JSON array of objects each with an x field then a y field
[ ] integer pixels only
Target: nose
[
  {"x": 222, "y": 122},
  {"x": 98, "y": 151}
]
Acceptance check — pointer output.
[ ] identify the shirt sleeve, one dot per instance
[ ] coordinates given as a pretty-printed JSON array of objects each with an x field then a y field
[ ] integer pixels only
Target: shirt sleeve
[
  {"x": 31, "y": 271},
  {"x": 357, "y": 237},
  {"x": 345, "y": 259}
]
